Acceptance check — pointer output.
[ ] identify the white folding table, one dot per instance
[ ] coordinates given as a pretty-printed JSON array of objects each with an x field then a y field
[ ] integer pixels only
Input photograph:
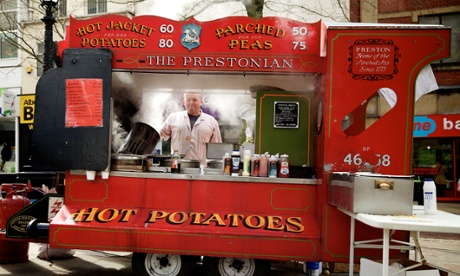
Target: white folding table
[{"x": 419, "y": 222}]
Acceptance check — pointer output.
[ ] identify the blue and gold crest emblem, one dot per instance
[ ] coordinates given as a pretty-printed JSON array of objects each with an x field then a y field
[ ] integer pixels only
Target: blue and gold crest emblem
[{"x": 190, "y": 37}]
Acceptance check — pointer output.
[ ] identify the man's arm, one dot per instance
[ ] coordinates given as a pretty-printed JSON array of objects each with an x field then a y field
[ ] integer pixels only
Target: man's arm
[{"x": 216, "y": 136}]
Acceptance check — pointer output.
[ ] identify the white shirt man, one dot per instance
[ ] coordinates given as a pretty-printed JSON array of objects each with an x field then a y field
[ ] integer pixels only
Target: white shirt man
[{"x": 191, "y": 129}]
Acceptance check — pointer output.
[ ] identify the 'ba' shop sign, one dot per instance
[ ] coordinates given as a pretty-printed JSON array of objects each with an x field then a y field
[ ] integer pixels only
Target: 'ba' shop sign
[{"x": 437, "y": 126}]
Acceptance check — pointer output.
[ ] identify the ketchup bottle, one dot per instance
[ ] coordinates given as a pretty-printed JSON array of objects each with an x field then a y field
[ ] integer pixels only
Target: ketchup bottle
[{"x": 283, "y": 166}]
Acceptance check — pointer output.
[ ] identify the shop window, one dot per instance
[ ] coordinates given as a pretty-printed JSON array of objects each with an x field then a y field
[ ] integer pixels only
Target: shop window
[
  {"x": 97, "y": 6},
  {"x": 427, "y": 151},
  {"x": 449, "y": 20},
  {"x": 369, "y": 112}
]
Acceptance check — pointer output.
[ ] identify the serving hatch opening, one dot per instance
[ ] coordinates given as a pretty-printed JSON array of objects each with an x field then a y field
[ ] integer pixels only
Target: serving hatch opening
[{"x": 150, "y": 97}]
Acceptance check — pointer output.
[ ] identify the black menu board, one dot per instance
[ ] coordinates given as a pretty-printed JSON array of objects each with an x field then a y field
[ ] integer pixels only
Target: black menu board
[{"x": 286, "y": 115}]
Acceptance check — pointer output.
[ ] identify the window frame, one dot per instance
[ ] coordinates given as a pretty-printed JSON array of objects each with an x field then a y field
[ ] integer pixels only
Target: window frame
[
  {"x": 96, "y": 6},
  {"x": 455, "y": 33},
  {"x": 40, "y": 58},
  {"x": 62, "y": 9},
  {"x": 9, "y": 37}
]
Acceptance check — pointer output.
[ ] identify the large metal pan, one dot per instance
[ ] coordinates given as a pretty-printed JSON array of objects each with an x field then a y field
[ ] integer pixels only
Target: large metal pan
[{"x": 142, "y": 139}]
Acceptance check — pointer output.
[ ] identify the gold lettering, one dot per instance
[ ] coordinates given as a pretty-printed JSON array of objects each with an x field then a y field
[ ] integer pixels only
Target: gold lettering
[
  {"x": 126, "y": 213},
  {"x": 219, "y": 32},
  {"x": 270, "y": 30},
  {"x": 259, "y": 29},
  {"x": 215, "y": 218},
  {"x": 135, "y": 28},
  {"x": 249, "y": 28},
  {"x": 239, "y": 28},
  {"x": 257, "y": 45},
  {"x": 273, "y": 223},
  {"x": 233, "y": 43},
  {"x": 234, "y": 219},
  {"x": 268, "y": 45},
  {"x": 259, "y": 222},
  {"x": 196, "y": 217},
  {"x": 279, "y": 32},
  {"x": 182, "y": 217},
  {"x": 294, "y": 221},
  {"x": 90, "y": 215},
  {"x": 154, "y": 215},
  {"x": 113, "y": 214}
]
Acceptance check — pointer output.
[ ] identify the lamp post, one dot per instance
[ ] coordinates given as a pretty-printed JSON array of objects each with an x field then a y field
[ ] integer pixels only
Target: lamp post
[{"x": 49, "y": 20}]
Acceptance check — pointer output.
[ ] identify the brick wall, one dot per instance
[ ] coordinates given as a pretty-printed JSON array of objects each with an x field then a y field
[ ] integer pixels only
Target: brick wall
[
  {"x": 451, "y": 77},
  {"x": 390, "y": 6},
  {"x": 355, "y": 13},
  {"x": 400, "y": 20}
]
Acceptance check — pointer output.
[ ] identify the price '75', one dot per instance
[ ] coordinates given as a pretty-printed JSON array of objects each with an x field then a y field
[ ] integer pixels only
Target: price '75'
[
  {"x": 356, "y": 159},
  {"x": 301, "y": 45}
]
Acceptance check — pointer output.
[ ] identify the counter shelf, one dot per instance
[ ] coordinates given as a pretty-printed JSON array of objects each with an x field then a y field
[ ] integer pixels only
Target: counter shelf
[{"x": 207, "y": 177}]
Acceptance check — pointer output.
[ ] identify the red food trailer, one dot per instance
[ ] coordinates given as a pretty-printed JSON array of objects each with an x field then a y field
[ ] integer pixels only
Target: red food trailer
[{"x": 310, "y": 86}]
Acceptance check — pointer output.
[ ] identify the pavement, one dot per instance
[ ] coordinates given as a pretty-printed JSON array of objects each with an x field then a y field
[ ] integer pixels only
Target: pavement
[{"x": 439, "y": 249}]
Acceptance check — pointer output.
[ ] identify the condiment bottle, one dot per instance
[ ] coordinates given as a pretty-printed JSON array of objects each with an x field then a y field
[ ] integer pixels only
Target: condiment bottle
[
  {"x": 175, "y": 162},
  {"x": 283, "y": 170},
  {"x": 272, "y": 167},
  {"x": 429, "y": 196},
  {"x": 313, "y": 268},
  {"x": 263, "y": 170},
  {"x": 227, "y": 164},
  {"x": 235, "y": 163},
  {"x": 247, "y": 163},
  {"x": 255, "y": 165}
]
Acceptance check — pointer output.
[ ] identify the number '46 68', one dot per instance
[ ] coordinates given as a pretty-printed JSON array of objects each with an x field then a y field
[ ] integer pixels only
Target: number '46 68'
[{"x": 356, "y": 159}]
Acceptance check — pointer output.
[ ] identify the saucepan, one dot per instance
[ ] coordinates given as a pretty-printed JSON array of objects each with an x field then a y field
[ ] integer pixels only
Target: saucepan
[
  {"x": 184, "y": 163},
  {"x": 141, "y": 140}
]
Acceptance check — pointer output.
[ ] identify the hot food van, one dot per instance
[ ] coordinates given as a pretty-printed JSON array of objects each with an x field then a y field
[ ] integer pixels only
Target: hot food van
[{"x": 289, "y": 87}]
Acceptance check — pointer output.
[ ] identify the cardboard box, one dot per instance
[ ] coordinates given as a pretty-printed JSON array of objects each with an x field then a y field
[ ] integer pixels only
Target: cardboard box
[{"x": 373, "y": 268}]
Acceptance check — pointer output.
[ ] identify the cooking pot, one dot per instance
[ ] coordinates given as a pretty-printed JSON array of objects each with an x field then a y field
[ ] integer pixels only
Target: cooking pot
[
  {"x": 142, "y": 139},
  {"x": 164, "y": 160},
  {"x": 184, "y": 163},
  {"x": 214, "y": 163},
  {"x": 128, "y": 162}
]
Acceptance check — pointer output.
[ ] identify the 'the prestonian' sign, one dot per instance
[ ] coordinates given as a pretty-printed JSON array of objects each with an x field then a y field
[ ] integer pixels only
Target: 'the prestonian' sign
[{"x": 233, "y": 43}]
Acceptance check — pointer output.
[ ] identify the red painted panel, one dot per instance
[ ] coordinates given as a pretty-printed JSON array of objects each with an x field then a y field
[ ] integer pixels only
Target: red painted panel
[
  {"x": 360, "y": 61},
  {"x": 260, "y": 220},
  {"x": 375, "y": 147}
]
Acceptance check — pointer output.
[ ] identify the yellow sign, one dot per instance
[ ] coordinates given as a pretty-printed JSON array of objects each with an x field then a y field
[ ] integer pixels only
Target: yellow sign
[{"x": 27, "y": 107}]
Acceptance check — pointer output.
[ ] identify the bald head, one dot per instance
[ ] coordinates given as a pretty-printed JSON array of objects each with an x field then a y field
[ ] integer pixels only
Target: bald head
[{"x": 192, "y": 102}]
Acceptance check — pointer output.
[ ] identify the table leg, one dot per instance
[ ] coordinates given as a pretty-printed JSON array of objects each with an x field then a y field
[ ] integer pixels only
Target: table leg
[
  {"x": 386, "y": 251},
  {"x": 352, "y": 246},
  {"x": 416, "y": 240}
]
